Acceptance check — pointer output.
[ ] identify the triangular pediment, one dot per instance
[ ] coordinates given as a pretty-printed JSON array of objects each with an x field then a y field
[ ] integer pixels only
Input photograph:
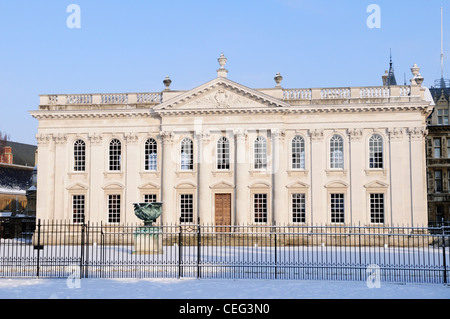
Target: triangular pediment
[
  {"x": 220, "y": 94},
  {"x": 376, "y": 184}
]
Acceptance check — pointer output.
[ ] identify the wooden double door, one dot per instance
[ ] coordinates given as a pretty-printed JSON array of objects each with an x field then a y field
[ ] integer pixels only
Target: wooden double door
[{"x": 223, "y": 211}]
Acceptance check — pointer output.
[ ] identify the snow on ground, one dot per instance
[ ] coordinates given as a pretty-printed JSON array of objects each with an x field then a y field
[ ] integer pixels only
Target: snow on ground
[{"x": 212, "y": 289}]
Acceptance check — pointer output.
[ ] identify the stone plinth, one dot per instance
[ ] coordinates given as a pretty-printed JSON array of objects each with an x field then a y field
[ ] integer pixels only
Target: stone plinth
[{"x": 148, "y": 240}]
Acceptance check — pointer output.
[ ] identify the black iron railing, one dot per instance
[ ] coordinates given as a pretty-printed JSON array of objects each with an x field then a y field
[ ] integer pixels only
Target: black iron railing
[{"x": 393, "y": 254}]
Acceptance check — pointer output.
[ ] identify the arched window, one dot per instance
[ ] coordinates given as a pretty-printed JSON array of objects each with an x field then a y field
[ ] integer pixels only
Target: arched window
[
  {"x": 187, "y": 155},
  {"x": 151, "y": 155},
  {"x": 79, "y": 156},
  {"x": 298, "y": 153},
  {"x": 115, "y": 155},
  {"x": 337, "y": 152},
  {"x": 223, "y": 153},
  {"x": 376, "y": 151},
  {"x": 260, "y": 153}
]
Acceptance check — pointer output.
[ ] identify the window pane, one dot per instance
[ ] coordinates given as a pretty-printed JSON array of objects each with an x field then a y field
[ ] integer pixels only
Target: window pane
[
  {"x": 115, "y": 155},
  {"x": 187, "y": 155},
  {"x": 437, "y": 147},
  {"x": 336, "y": 152},
  {"x": 114, "y": 208},
  {"x": 78, "y": 209},
  {"x": 260, "y": 152},
  {"x": 260, "y": 207},
  {"x": 149, "y": 198},
  {"x": 298, "y": 153},
  {"x": 337, "y": 208},
  {"x": 151, "y": 155},
  {"x": 377, "y": 208},
  {"x": 376, "y": 152},
  {"x": 438, "y": 181},
  {"x": 79, "y": 153},
  {"x": 223, "y": 153},
  {"x": 298, "y": 208},
  {"x": 186, "y": 208}
]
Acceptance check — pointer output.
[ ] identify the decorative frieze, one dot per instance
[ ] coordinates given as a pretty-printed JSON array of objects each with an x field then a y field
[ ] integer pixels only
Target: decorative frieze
[
  {"x": 396, "y": 133},
  {"x": 167, "y": 136},
  {"x": 95, "y": 139},
  {"x": 60, "y": 138},
  {"x": 417, "y": 133},
  {"x": 131, "y": 138},
  {"x": 355, "y": 134},
  {"x": 43, "y": 139},
  {"x": 316, "y": 135}
]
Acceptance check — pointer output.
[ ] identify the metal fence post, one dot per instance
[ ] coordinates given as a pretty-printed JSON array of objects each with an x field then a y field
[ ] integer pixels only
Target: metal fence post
[
  {"x": 38, "y": 247},
  {"x": 443, "y": 252},
  {"x": 180, "y": 247},
  {"x": 82, "y": 250},
  {"x": 198, "y": 249}
]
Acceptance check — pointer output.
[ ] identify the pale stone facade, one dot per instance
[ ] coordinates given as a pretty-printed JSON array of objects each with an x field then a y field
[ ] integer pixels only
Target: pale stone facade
[{"x": 226, "y": 154}]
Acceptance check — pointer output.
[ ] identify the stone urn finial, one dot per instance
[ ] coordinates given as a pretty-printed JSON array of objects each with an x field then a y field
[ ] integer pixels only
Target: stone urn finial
[
  {"x": 417, "y": 77},
  {"x": 148, "y": 212},
  {"x": 222, "y": 72},
  {"x": 167, "y": 81},
  {"x": 278, "y": 78}
]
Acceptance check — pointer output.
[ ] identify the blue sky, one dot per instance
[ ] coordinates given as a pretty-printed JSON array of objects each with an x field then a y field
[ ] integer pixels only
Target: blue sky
[{"x": 130, "y": 46}]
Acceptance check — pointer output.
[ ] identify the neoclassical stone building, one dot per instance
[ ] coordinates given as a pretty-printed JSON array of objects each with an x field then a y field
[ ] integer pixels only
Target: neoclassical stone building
[{"x": 226, "y": 154}]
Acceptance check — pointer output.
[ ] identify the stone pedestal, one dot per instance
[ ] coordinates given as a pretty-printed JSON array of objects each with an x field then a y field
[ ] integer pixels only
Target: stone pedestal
[{"x": 148, "y": 240}]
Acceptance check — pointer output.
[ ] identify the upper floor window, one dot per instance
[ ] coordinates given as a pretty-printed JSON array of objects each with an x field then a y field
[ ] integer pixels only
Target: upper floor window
[
  {"x": 376, "y": 151},
  {"x": 337, "y": 152},
  {"x": 223, "y": 153},
  {"x": 79, "y": 155},
  {"x": 115, "y": 155},
  {"x": 298, "y": 153},
  {"x": 260, "y": 153},
  {"x": 437, "y": 147},
  {"x": 151, "y": 155},
  {"x": 442, "y": 116},
  {"x": 187, "y": 155}
]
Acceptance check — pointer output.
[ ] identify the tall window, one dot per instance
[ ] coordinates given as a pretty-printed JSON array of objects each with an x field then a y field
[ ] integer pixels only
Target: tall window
[
  {"x": 79, "y": 155},
  {"x": 115, "y": 155},
  {"x": 151, "y": 155},
  {"x": 298, "y": 153},
  {"x": 260, "y": 208},
  {"x": 114, "y": 208},
  {"x": 442, "y": 116},
  {"x": 377, "y": 208},
  {"x": 78, "y": 209},
  {"x": 376, "y": 151},
  {"x": 260, "y": 153},
  {"x": 223, "y": 153},
  {"x": 437, "y": 147},
  {"x": 187, "y": 155},
  {"x": 186, "y": 208},
  {"x": 337, "y": 208},
  {"x": 438, "y": 181},
  {"x": 337, "y": 152},
  {"x": 298, "y": 208},
  {"x": 448, "y": 148}
]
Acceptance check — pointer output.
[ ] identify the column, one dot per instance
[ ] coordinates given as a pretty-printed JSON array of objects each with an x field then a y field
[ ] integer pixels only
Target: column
[
  {"x": 45, "y": 177},
  {"x": 204, "y": 168},
  {"x": 131, "y": 170},
  {"x": 95, "y": 162},
  {"x": 280, "y": 201},
  {"x": 169, "y": 162},
  {"x": 60, "y": 171},
  {"x": 242, "y": 206},
  {"x": 318, "y": 202}
]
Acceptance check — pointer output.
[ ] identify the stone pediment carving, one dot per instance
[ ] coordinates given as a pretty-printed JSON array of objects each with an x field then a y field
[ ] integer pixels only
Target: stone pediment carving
[
  {"x": 77, "y": 187},
  {"x": 221, "y": 185},
  {"x": 149, "y": 185},
  {"x": 376, "y": 184},
  {"x": 220, "y": 94},
  {"x": 337, "y": 184},
  {"x": 298, "y": 184}
]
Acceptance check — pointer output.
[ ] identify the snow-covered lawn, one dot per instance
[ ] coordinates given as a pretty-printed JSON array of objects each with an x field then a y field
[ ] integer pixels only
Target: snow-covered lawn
[{"x": 212, "y": 289}]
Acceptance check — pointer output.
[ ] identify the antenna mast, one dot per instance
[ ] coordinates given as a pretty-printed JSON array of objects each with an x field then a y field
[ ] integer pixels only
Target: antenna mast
[{"x": 442, "y": 45}]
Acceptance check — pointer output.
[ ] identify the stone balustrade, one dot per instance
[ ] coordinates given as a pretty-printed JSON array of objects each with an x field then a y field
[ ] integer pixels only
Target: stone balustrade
[{"x": 300, "y": 95}]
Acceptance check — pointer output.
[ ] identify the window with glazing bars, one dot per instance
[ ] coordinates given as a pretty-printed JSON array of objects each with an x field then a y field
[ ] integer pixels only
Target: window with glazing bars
[
  {"x": 298, "y": 153},
  {"x": 337, "y": 208},
  {"x": 187, "y": 155},
  {"x": 376, "y": 151},
  {"x": 442, "y": 115},
  {"x": 298, "y": 208},
  {"x": 260, "y": 208},
  {"x": 186, "y": 208},
  {"x": 223, "y": 154},
  {"x": 114, "y": 208},
  {"x": 336, "y": 152},
  {"x": 260, "y": 153},
  {"x": 437, "y": 147},
  {"x": 78, "y": 204},
  {"x": 438, "y": 181},
  {"x": 151, "y": 155},
  {"x": 377, "y": 208},
  {"x": 149, "y": 198},
  {"x": 79, "y": 154},
  {"x": 115, "y": 155}
]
